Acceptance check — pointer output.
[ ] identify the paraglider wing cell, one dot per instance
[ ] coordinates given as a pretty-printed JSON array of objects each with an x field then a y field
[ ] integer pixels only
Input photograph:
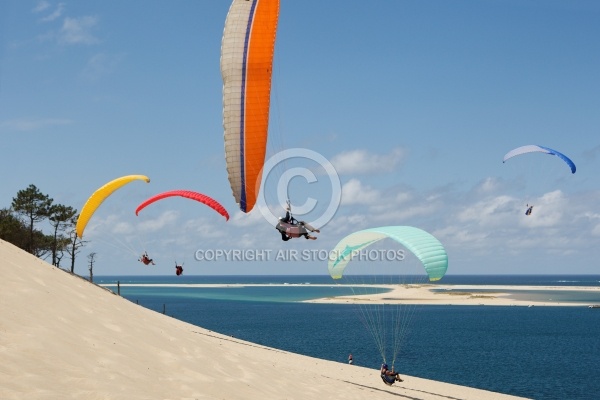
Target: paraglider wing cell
[
  {"x": 92, "y": 204},
  {"x": 422, "y": 244},
  {"x": 202, "y": 198},
  {"x": 532, "y": 148},
  {"x": 247, "y": 51}
]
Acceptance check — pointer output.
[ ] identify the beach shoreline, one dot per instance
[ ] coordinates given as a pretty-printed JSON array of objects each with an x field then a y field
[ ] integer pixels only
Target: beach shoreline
[
  {"x": 422, "y": 294},
  {"x": 457, "y": 295}
]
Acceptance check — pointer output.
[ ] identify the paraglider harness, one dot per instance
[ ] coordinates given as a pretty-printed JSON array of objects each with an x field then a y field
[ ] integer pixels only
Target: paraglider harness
[
  {"x": 290, "y": 227},
  {"x": 178, "y": 269},
  {"x": 389, "y": 379},
  {"x": 145, "y": 259}
]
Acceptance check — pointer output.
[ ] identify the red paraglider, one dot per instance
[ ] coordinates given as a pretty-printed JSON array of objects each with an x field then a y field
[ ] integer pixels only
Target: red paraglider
[{"x": 202, "y": 198}]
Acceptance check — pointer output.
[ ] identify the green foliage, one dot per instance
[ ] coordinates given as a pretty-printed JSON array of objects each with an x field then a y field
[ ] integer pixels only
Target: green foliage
[
  {"x": 29, "y": 208},
  {"x": 13, "y": 229},
  {"x": 61, "y": 218},
  {"x": 34, "y": 206},
  {"x": 32, "y": 203}
]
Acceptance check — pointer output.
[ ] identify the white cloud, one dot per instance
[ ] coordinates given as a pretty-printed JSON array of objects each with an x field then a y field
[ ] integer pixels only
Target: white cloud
[
  {"x": 106, "y": 227},
  {"x": 498, "y": 226},
  {"x": 363, "y": 162},
  {"x": 592, "y": 218},
  {"x": 492, "y": 235},
  {"x": 548, "y": 210},
  {"x": 121, "y": 228},
  {"x": 461, "y": 236},
  {"x": 41, "y": 6},
  {"x": 78, "y": 30},
  {"x": 557, "y": 241},
  {"x": 354, "y": 192},
  {"x": 402, "y": 197},
  {"x": 402, "y": 213},
  {"x": 60, "y": 8},
  {"x": 25, "y": 125},
  {"x": 488, "y": 185},
  {"x": 167, "y": 218},
  {"x": 489, "y": 212},
  {"x": 242, "y": 219},
  {"x": 344, "y": 225},
  {"x": 118, "y": 228},
  {"x": 205, "y": 228},
  {"x": 99, "y": 65},
  {"x": 385, "y": 207}
]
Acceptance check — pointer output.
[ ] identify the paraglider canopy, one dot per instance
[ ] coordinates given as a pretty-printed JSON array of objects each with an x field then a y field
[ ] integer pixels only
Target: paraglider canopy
[
  {"x": 387, "y": 323},
  {"x": 202, "y": 198},
  {"x": 532, "y": 148},
  {"x": 247, "y": 50},
  {"x": 422, "y": 244},
  {"x": 96, "y": 199}
]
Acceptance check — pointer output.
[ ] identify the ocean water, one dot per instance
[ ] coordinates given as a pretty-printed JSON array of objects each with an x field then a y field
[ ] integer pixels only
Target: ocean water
[{"x": 534, "y": 352}]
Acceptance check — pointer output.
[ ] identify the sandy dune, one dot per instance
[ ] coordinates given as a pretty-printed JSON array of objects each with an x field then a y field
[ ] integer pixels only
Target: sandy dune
[{"x": 62, "y": 337}]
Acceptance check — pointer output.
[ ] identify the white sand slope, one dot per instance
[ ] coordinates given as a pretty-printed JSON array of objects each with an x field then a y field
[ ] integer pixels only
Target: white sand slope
[{"x": 62, "y": 337}]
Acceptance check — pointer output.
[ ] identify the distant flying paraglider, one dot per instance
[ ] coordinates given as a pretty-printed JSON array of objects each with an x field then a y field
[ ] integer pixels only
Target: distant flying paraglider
[
  {"x": 145, "y": 259},
  {"x": 289, "y": 227},
  {"x": 539, "y": 149},
  {"x": 247, "y": 51},
  {"x": 99, "y": 196},
  {"x": 382, "y": 320},
  {"x": 199, "y": 197},
  {"x": 178, "y": 269},
  {"x": 422, "y": 244},
  {"x": 532, "y": 148}
]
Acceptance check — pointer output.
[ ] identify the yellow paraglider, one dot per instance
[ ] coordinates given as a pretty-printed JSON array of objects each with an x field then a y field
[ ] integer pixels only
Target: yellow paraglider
[{"x": 92, "y": 204}]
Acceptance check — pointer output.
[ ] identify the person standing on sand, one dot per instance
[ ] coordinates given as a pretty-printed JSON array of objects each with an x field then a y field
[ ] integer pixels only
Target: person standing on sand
[{"x": 350, "y": 360}]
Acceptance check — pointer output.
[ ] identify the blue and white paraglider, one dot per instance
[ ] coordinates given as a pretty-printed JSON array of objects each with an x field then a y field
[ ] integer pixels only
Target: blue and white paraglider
[{"x": 533, "y": 148}]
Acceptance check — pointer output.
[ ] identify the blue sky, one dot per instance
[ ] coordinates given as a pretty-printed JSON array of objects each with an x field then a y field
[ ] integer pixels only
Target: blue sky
[{"x": 414, "y": 103}]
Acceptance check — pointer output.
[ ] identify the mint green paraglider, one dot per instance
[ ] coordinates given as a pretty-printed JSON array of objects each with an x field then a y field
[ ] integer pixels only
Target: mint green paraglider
[{"x": 422, "y": 244}]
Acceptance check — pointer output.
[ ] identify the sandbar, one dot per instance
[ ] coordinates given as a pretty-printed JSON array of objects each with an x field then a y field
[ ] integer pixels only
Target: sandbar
[{"x": 429, "y": 294}]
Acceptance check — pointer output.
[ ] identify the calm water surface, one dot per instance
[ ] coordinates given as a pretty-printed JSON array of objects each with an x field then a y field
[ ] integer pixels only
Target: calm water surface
[{"x": 535, "y": 352}]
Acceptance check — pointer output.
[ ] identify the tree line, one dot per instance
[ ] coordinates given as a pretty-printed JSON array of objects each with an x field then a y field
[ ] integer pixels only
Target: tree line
[{"x": 20, "y": 225}]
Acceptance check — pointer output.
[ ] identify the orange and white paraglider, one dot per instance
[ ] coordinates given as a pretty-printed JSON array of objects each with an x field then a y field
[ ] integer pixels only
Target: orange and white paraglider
[{"x": 246, "y": 65}]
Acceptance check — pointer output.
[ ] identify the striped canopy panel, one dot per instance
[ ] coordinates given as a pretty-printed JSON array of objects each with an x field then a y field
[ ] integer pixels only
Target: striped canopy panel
[
  {"x": 422, "y": 244},
  {"x": 246, "y": 62}
]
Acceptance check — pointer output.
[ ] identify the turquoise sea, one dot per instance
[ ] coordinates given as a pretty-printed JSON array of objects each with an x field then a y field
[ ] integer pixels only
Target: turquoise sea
[{"x": 534, "y": 352}]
